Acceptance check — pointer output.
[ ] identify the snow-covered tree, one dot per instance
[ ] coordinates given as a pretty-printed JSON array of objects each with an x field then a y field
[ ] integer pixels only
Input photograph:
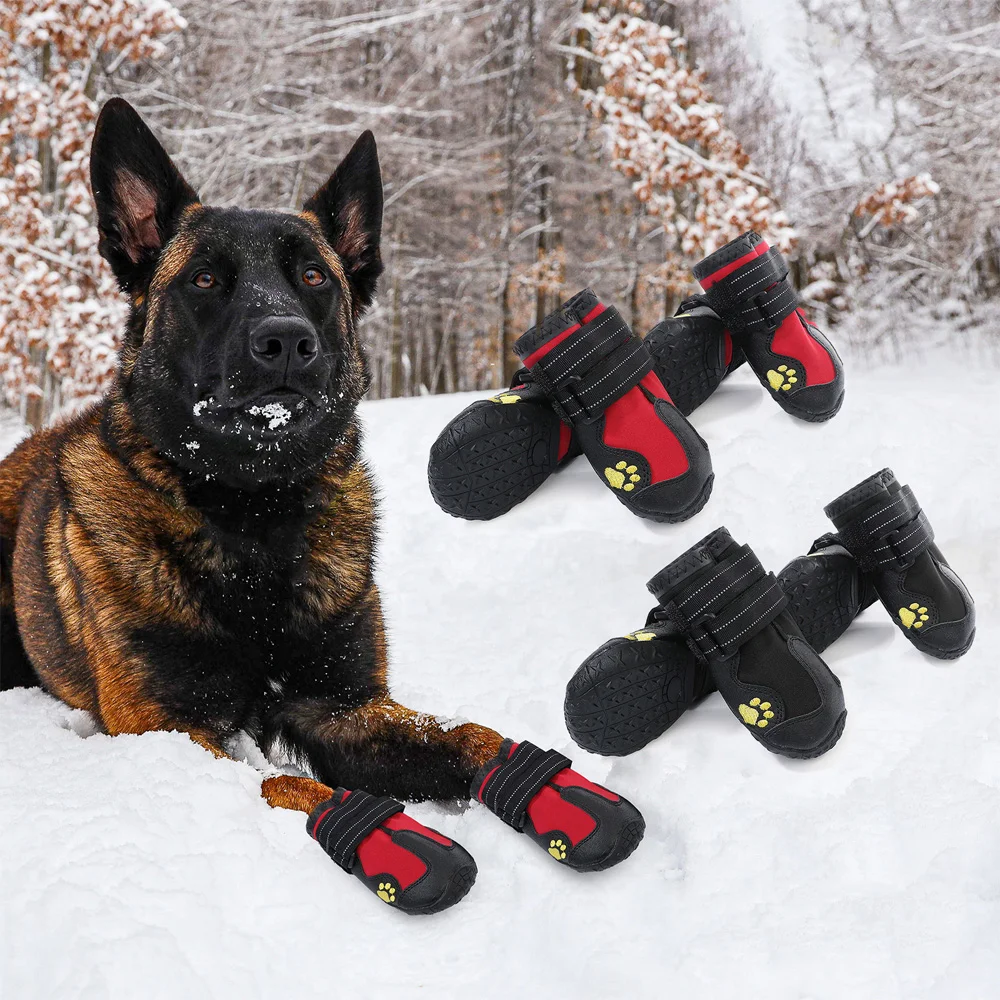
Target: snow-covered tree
[
  {"x": 667, "y": 135},
  {"x": 60, "y": 313}
]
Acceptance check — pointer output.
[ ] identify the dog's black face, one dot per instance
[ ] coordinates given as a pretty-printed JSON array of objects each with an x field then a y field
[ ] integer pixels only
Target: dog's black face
[{"x": 241, "y": 361}]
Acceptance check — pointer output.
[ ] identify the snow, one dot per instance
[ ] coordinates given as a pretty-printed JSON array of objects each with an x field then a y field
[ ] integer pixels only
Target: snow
[
  {"x": 276, "y": 414},
  {"x": 142, "y": 867}
]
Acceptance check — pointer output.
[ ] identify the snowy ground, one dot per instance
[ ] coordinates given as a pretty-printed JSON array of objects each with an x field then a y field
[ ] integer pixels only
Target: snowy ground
[{"x": 139, "y": 867}]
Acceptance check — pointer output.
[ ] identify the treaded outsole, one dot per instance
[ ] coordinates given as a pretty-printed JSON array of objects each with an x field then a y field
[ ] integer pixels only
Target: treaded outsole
[
  {"x": 492, "y": 457},
  {"x": 681, "y": 364},
  {"x": 812, "y": 418},
  {"x": 627, "y": 694},
  {"x": 816, "y": 602},
  {"x": 939, "y": 654}
]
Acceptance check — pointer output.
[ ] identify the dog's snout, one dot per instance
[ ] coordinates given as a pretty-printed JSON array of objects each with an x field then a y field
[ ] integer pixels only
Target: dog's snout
[{"x": 284, "y": 343}]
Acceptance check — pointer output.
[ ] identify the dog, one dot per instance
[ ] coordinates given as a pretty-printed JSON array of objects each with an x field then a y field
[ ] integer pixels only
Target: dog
[{"x": 195, "y": 551}]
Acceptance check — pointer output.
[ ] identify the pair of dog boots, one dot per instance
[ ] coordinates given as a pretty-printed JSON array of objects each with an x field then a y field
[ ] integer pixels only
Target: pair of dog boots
[
  {"x": 746, "y": 284},
  {"x": 590, "y": 386},
  {"x": 418, "y": 870},
  {"x": 721, "y": 623},
  {"x": 632, "y": 689}
]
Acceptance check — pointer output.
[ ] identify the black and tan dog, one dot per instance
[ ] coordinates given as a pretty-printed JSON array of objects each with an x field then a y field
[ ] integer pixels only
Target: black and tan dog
[{"x": 194, "y": 553}]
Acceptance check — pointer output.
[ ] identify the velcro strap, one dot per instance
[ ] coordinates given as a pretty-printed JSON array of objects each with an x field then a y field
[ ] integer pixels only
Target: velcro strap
[
  {"x": 343, "y": 826},
  {"x": 736, "y": 602},
  {"x": 512, "y": 785},
  {"x": 891, "y": 536},
  {"x": 593, "y": 367},
  {"x": 757, "y": 297}
]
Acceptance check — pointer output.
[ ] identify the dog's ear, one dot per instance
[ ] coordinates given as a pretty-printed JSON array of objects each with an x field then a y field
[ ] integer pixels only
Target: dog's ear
[
  {"x": 138, "y": 192},
  {"x": 349, "y": 209}
]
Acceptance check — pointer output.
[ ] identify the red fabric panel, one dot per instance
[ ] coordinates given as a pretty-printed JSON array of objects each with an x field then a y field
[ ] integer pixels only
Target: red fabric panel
[
  {"x": 549, "y": 811},
  {"x": 400, "y": 821},
  {"x": 540, "y": 352},
  {"x": 631, "y": 423},
  {"x": 793, "y": 339},
  {"x": 729, "y": 347},
  {"x": 568, "y": 778},
  {"x": 377, "y": 854},
  {"x": 706, "y": 283}
]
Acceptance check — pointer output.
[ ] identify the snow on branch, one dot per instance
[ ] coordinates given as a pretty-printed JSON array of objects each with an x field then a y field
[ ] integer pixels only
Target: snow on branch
[
  {"x": 60, "y": 314},
  {"x": 667, "y": 135}
]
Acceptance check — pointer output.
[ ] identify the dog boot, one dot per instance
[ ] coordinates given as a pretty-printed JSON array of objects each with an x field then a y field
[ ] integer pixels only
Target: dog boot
[
  {"x": 746, "y": 283},
  {"x": 692, "y": 353},
  {"x": 634, "y": 688},
  {"x": 498, "y": 451},
  {"x": 600, "y": 380},
  {"x": 578, "y": 823},
  {"x": 733, "y": 615},
  {"x": 406, "y": 864},
  {"x": 882, "y": 526},
  {"x": 826, "y": 591}
]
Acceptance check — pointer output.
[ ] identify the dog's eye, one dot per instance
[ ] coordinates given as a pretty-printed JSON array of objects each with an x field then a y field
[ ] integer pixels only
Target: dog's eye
[
  {"x": 204, "y": 279},
  {"x": 313, "y": 276}
]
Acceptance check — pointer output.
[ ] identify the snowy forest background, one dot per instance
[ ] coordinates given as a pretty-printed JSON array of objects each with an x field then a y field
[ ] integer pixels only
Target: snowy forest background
[{"x": 528, "y": 149}]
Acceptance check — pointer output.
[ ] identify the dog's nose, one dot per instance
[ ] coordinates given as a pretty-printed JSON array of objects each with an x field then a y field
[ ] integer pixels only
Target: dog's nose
[{"x": 284, "y": 343}]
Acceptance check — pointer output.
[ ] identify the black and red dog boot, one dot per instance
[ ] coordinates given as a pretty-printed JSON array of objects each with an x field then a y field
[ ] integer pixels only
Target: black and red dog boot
[
  {"x": 406, "y": 864},
  {"x": 498, "y": 451},
  {"x": 692, "y": 353},
  {"x": 580, "y": 824},
  {"x": 746, "y": 283},
  {"x": 884, "y": 528},
  {"x": 826, "y": 591},
  {"x": 633, "y": 688},
  {"x": 599, "y": 379},
  {"x": 733, "y": 615}
]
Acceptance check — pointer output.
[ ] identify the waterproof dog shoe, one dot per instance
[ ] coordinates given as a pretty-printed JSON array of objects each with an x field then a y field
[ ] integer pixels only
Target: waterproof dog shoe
[
  {"x": 632, "y": 689},
  {"x": 498, "y": 451},
  {"x": 826, "y": 591},
  {"x": 580, "y": 824},
  {"x": 746, "y": 283},
  {"x": 406, "y": 864},
  {"x": 692, "y": 353},
  {"x": 599, "y": 378},
  {"x": 733, "y": 615},
  {"x": 883, "y": 527}
]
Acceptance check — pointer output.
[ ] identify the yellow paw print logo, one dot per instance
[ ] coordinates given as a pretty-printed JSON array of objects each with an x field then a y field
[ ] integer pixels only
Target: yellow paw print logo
[
  {"x": 914, "y": 616},
  {"x": 505, "y": 397},
  {"x": 784, "y": 378},
  {"x": 757, "y": 713},
  {"x": 557, "y": 849},
  {"x": 386, "y": 892},
  {"x": 641, "y": 636},
  {"x": 622, "y": 476}
]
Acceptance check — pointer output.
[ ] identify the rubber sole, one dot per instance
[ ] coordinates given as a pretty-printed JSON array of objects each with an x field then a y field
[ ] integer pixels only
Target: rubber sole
[
  {"x": 829, "y": 744},
  {"x": 822, "y": 602},
  {"x": 813, "y": 418},
  {"x": 491, "y": 457},
  {"x": 691, "y": 368},
  {"x": 939, "y": 654},
  {"x": 628, "y": 693},
  {"x": 628, "y": 840},
  {"x": 693, "y": 508},
  {"x": 457, "y": 888}
]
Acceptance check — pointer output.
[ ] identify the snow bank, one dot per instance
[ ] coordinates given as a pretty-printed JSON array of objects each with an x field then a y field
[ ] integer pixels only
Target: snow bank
[{"x": 140, "y": 867}]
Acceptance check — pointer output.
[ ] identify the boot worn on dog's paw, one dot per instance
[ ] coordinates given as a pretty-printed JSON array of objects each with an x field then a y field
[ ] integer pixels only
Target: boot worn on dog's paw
[
  {"x": 633, "y": 688},
  {"x": 732, "y": 614},
  {"x": 692, "y": 353},
  {"x": 884, "y": 528},
  {"x": 746, "y": 283},
  {"x": 406, "y": 864},
  {"x": 578, "y": 823},
  {"x": 599, "y": 378},
  {"x": 498, "y": 451},
  {"x": 826, "y": 591}
]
